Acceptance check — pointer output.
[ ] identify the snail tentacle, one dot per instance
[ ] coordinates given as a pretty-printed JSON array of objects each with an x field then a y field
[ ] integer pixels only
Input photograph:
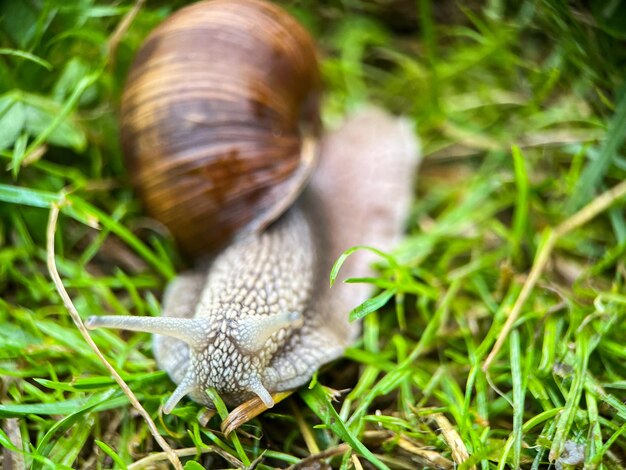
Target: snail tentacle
[
  {"x": 252, "y": 333},
  {"x": 259, "y": 390},
  {"x": 187, "y": 386},
  {"x": 192, "y": 331}
]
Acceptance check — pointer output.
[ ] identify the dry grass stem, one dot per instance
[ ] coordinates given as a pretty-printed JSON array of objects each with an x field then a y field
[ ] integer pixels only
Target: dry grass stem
[
  {"x": 67, "y": 301},
  {"x": 121, "y": 29},
  {"x": 331, "y": 452},
  {"x": 150, "y": 460},
  {"x": 584, "y": 215},
  {"x": 307, "y": 435},
  {"x": 453, "y": 439},
  {"x": 430, "y": 455},
  {"x": 356, "y": 462},
  {"x": 13, "y": 460},
  {"x": 247, "y": 411}
]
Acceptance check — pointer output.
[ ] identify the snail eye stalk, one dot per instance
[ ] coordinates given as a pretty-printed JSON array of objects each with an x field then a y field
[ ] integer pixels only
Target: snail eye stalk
[
  {"x": 192, "y": 331},
  {"x": 252, "y": 333}
]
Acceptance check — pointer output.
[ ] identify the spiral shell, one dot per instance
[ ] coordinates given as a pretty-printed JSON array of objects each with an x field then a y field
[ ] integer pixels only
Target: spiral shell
[{"x": 216, "y": 118}]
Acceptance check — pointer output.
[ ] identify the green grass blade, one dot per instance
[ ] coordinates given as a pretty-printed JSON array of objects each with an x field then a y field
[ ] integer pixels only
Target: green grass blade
[
  {"x": 520, "y": 218},
  {"x": 596, "y": 170},
  {"x": 518, "y": 395},
  {"x": 46, "y": 444},
  {"x": 223, "y": 413},
  {"x": 371, "y": 305},
  {"x": 574, "y": 394},
  {"x": 318, "y": 401},
  {"x": 111, "y": 453},
  {"x": 28, "y": 56}
]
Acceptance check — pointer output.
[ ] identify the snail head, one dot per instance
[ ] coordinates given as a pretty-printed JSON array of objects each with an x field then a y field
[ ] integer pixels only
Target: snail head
[{"x": 232, "y": 354}]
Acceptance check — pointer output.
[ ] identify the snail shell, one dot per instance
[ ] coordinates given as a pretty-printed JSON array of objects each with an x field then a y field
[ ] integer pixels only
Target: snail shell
[{"x": 217, "y": 119}]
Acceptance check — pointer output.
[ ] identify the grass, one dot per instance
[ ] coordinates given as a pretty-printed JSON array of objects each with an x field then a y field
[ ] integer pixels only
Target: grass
[{"x": 496, "y": 336}]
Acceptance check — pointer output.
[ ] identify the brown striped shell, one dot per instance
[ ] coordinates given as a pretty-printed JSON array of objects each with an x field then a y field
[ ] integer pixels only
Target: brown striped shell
[{"x": 215, "y": 117}]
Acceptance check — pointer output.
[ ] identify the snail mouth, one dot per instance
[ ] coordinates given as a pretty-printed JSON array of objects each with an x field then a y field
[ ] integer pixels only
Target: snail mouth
[
  {"x": 249, "y": 335},
  {"x": 251, "y": 385}
]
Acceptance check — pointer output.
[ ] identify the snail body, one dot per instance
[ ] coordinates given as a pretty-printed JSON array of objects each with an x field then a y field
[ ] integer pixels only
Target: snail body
[
  {"x": 260, "y": 317},
  {"x": 244, "y": 309}
]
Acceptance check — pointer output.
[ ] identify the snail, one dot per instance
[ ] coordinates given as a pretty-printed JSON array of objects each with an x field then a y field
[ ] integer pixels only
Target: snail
[{"x": 259, "y": 316}]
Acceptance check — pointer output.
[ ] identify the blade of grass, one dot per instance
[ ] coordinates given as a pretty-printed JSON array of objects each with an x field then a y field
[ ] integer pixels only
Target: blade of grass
[
  {"x": 518, "y": 398},
  {"x": 28, "y": 56},
  {"x": 317, "y": 400},
  {"x": 596, "y": 169},
  {"x": 83, "y": 212},
  {"x": 371, "y": 305},
  {"x": 222, "y": 411},
  {"x": 66, "y": 449},
  {"x": 607, "y": 445},
  {"x": 334, "y": 272},
  {"x": 597, "y": 206},
  {"x": 594, "y": 438},
  {"x": 566, "y": 419},
  {"x": 46, "y": 444},
  {"x": 427, "y": 24},
  {"x": 68, "y": 106},
  {"x": 111, "y": 453},
  {"x": 520, "y": 218}
]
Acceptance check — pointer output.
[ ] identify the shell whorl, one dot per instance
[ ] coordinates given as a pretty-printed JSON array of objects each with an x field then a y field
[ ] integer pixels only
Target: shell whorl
[{"x": 218, "y": 106}]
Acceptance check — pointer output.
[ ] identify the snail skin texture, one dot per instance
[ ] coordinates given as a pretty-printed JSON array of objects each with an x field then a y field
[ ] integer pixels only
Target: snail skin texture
[{"x": 259, "y": 317}]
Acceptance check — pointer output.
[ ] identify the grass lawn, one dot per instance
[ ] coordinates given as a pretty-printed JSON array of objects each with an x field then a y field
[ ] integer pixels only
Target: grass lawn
[{"x": 503, "y": 344}]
